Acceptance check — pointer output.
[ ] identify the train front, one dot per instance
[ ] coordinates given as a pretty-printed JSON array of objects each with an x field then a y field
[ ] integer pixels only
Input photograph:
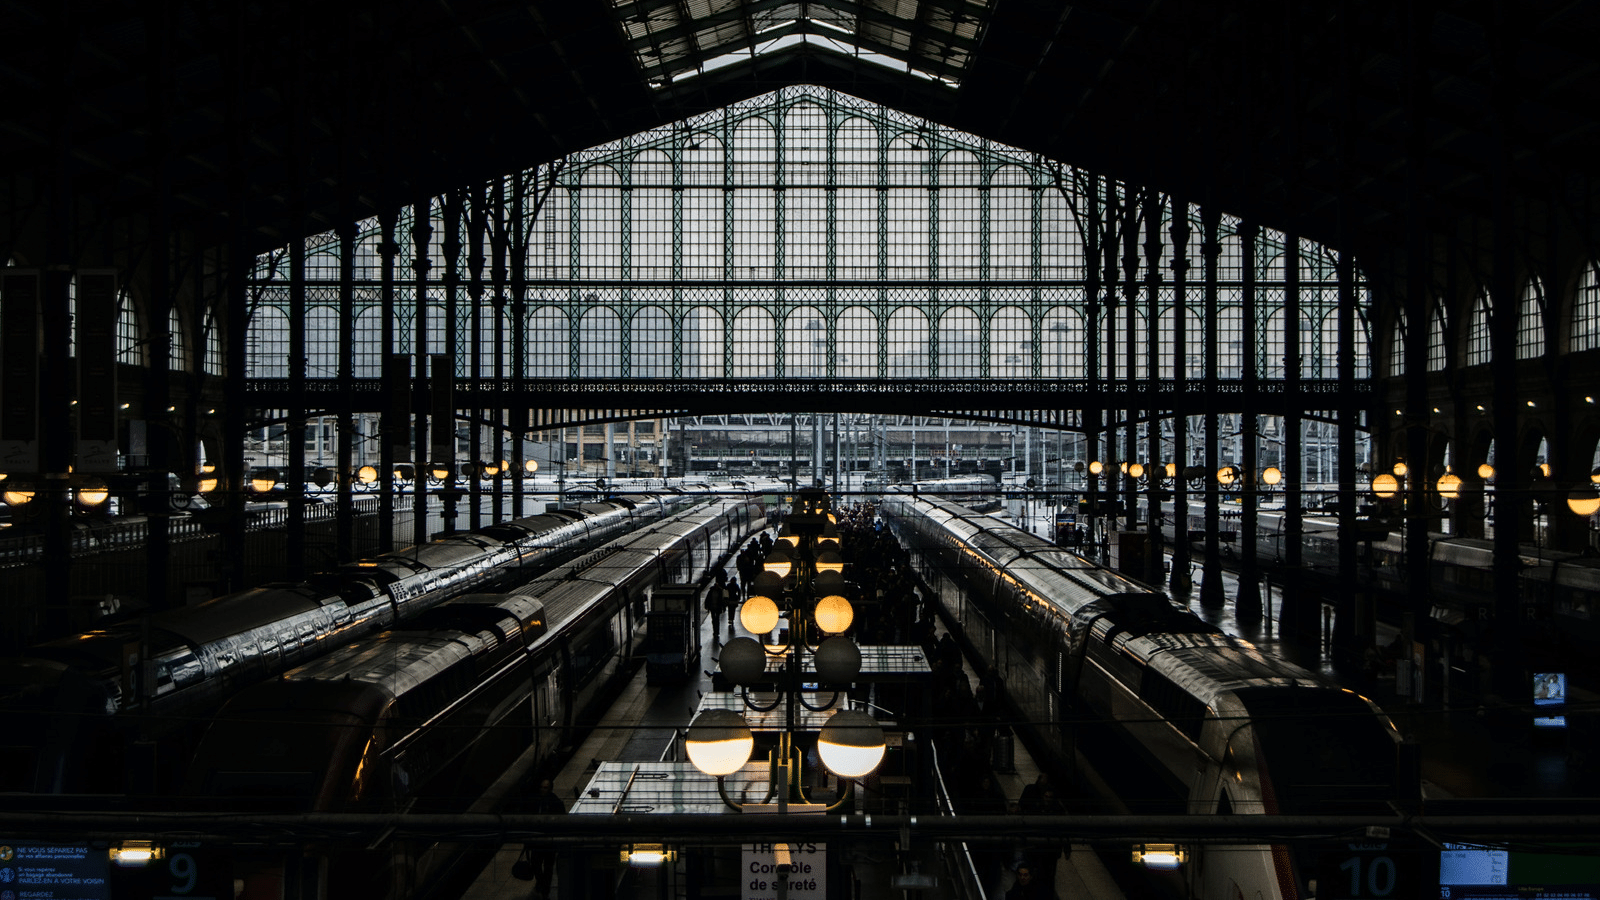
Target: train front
[{"x": 1296, "y": 751}]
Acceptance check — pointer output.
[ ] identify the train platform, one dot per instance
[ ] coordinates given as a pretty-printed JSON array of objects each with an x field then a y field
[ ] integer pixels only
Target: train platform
[
  {"x": 639, "y": 728},
  {"x": 1473, "y": 744}
]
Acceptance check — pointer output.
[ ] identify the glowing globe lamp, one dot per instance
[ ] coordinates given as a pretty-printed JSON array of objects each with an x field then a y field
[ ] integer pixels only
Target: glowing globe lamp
[
  {"x": 851, "y": 744},
  {"x": 759, "y": 615},
  {"x": 719, "y": 742}
]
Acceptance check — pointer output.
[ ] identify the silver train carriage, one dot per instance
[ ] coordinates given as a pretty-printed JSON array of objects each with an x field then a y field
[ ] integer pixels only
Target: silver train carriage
[
  {"x": 428, "y": 716},
  {"x": 162, "y": 669},
  {"x": 1223, "y": 727},
  {"x": 1560, "y": 587}
]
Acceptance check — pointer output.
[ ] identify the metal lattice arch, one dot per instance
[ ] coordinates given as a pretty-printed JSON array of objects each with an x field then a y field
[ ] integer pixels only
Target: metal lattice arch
[{"x": 804, "y": 234}]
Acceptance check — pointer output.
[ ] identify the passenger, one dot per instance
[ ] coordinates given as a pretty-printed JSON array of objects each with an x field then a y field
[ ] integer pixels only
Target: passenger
[
  {"x": 1026, "y": 888},
  {"x": 545, "y": 803}
]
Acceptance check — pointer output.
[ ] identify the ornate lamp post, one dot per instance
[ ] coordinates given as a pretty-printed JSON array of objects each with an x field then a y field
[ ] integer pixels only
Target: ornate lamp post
[{"x": 802, "y": 582}]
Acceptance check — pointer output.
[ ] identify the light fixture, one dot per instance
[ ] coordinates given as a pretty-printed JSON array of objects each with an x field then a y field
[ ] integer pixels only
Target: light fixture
[
  {"x": 1480, "y": 407},
  {"x": 18, "y": 493},
  {"x": 1584, "y": 501},
  {"x": 440, "y": 471},
  {"x": 834, "y": 614},
  {"x": 829, "y": 538},
  {"x": 1530, "y": 404},
  {"x": 531, "y": 466},
  {"x": 1436, "y": 409},
  {"x": 719, "y": 742},
  {"x": 1172, "y": 470},
  {"x": 1449, "y": 485},
  {"x": 851, "y": 744},
  {"x": 778, "y": 563},
  {"x": 1096, "y": 467},
  {"x": 1386, "y": 486},
  {"x": 1400, "y": 468},
  {"x": 1486, "y": 472},
  {"x": 263, "y": 480},
  {"x": 759, "y": 615},
  {"x": 1594, "y": 475},
  {"x": 743, "y": 661},
  {"x": 1135, "y": 471},
  {"x": 93, "y": 492},
  {"x": 367, "y": 474},
  {"x": 830, "y": 561},
  {"x": 1271, "y": 475},
  {"x": 126, "y": 405},
  {"x": 1159, "y": 856},
  {"x": 1123, "y": 467},
  {"x": 838, "y": 661},
  {"x": 1227, "y": 475},
  {"x": 135, "y": 853},
  {"x": 647, "y": 856},
  {"x": 405, "y": 471}
]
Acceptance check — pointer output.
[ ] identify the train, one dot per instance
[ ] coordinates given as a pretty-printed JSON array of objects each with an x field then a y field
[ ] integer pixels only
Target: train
[
  {"x": 84, "y": 710},
  {"x": 977, "y": 492},
  {"x": 1560, "y": 588},
  {"x": 1215, "y": 725},
  {"x": 426, "y": 717}
]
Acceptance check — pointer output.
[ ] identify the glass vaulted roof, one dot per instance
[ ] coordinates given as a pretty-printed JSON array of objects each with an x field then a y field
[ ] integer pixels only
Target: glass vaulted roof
[{"x": 678, "y": 39}]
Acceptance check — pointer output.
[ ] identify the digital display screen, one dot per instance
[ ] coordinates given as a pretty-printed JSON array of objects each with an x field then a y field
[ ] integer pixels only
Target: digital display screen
[
  {"x": 1463, "y": 864},
  {"x": 1550, "y": 689}
]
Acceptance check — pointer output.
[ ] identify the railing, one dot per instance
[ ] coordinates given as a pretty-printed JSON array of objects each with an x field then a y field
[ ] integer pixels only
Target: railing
[{"x": 957, "y": 855}]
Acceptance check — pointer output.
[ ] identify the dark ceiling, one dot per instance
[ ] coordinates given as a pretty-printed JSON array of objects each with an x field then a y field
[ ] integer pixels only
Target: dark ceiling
[{"x": 1331, "y": 117}]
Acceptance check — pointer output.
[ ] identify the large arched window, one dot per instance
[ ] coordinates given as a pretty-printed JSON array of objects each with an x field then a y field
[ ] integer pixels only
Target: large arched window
[
  {"x": 960, "y": 347},
  {"x": 600, "y": 344},
  {"x": 549, "y": 343},
  {"x": 267, "y": 343},
  {"x": 213, "y": 345},
  {"x": 858, "y": 343},
  {"x": 1478, "y": 340},
  {"x": 1397, "y": 345},
  {"x": 856, "y": 200},
  {"x": 369, "y": 342},
  {"x": 179, "y": 361},
  {"x": 1530, "y": 321},
  {"x": 908, "y": 208},
  {"x": 755, "y": 213},
  {"x": 805, "y": 343},
  {"x": 702, "y": 343},
  {"x": 651, "y": 219},
  {"x": 754, "y": 337},
  {"x": 960, "y": 207},
  {"x": 1010, "y": 225},
  {"x": 1436, "y": 338},
  {"x": 1586, "y": 311},
  {"x": 651, "y": 332},
  {"x": 130, "y": 347},
  {"x": 1061, "y": 344},
  {"x": 805, "y": 170},
  {"x": 1011, "y": 348},
  {"x": 908, "y": 344},
  {"x": 322, "y": 341}
]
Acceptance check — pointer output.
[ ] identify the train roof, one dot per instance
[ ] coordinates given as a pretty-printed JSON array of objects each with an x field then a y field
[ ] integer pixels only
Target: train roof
[
  {"x": 397, "y": 661},
  {"x": 1207, "y": 665},
  {"x": 268, "y": 606}
]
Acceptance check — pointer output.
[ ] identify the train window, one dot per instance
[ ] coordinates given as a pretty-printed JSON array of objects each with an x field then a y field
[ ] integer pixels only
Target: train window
[
  {"x": 1174, "y": 704},
  {"x": 1325, "y": 751},
  {"x": 1117, "y": 665}
]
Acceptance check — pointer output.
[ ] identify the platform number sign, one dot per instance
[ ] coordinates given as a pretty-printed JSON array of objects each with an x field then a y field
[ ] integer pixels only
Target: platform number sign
[
  {"x": 188, "y": 872},
  {"x": 1368, "y": 872}
]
